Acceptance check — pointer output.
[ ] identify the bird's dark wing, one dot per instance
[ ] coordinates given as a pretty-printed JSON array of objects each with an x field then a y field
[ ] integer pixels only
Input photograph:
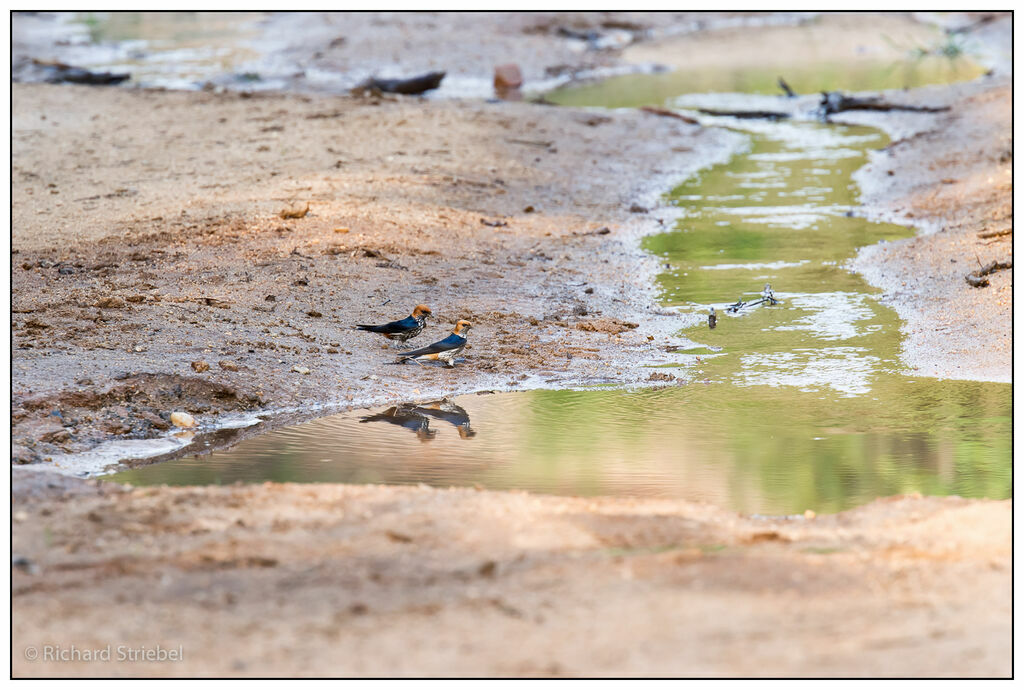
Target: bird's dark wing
[
  {"x": 449, "y": 343},
  {"x": 457, "y": 416},
  {"x": 407, "y": 416},
  {"x": 400, "y": 326}
]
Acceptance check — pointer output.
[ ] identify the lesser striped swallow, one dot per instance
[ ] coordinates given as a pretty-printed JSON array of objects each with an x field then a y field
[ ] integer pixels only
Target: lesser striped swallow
[
  {"x": 403, "y": 329},
  {"x": 443, "y": 350},
  {"x": 448, "y": 411},
  {"x": 416, "y": 417},
  {"x": 407, "y": 416}
]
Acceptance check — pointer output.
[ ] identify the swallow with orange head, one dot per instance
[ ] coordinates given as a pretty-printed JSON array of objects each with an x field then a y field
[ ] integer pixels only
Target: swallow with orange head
[
  {"x": 443, "y": 350},
  {"x": 403, "y": 329}
]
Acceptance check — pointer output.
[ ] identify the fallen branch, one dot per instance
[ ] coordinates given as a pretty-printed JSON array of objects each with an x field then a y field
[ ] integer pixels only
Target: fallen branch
[
  {"x": 60, "y": 73},
  {"x": 835, "y": 102},
  {"x": 996, "y": 233},
  {"x": 408, "y": 87},
  {"x": 746, "y": 114},
  {"x": 531, "y": 142},
  {"x": 767, "y": 296},
  {"x": 665, "y": 112},
  {"x": 978, "y": 278}
]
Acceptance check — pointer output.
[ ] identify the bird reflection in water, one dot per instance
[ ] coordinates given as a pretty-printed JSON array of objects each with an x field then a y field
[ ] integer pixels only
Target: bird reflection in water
[{"x": 416, "y": 417}]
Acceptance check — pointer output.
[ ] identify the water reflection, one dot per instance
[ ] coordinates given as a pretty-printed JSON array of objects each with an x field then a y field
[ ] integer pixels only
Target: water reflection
[
  {"x": 806, "y": 404},
  {"x": 760, "y": 448},
  {"x": 806, "y": 407},
  {"x": 416, "y": 417}
]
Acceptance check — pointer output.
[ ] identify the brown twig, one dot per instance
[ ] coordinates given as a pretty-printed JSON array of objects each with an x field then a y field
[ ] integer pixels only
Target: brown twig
[
  {"x": 978, "y": 279},
  {"x": 665, "y": 112}
]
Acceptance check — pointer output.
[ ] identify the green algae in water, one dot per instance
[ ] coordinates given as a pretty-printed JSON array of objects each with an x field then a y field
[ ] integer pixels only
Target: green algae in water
[
  {"x": 829, "y": 53},
  {"x": 783, "y": 213},
  {"x": 766, "y": 450},
  {"x": 634, "y": 90},
  {"x": 804, "y": 405}
]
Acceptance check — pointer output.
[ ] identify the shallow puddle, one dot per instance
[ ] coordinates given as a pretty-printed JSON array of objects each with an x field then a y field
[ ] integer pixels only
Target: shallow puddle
[
  {"x": 869, "y": 75},
  {"x": 846, "y": 52},
  {"x": 175, "y": 50},
  {"x": 800, "y": 405},
  {"x": 757, "y": 449},
  {"x": 793, "y": 406}
]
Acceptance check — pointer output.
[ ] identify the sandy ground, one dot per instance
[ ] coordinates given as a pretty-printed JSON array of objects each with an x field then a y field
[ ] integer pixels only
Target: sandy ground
[
  {"x": 171, "y": 250},
  {"x": 359, "y": 580},
  {"x": 147, "y": 235},
  {"x": 953, "y": 181}
]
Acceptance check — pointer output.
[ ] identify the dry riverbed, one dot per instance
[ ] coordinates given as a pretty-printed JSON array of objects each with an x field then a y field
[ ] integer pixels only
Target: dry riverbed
[
  {"x": 308, "y": 580},
  {"x": 952, "y": 178},
  {"x": 148, "y": 235},
  {"x": 149, "y": 241}
]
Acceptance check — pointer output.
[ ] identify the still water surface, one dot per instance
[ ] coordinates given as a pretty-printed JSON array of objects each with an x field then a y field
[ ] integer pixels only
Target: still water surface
[{"x": 799, "y": 405}]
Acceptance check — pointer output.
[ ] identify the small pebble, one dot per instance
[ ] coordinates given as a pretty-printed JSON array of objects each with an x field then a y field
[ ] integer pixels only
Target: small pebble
[
  {"x": 300, "y": 370},
  {"x": 183, "y": 420},
  {"x": 111, "y": 303}
]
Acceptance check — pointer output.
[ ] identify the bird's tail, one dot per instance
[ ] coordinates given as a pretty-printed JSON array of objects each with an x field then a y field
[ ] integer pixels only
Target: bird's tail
[{"x": 363, "y": 327}]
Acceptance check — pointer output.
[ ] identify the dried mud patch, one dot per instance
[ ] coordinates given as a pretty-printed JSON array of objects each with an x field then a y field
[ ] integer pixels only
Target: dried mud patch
[
  {"x": 136, "y": 406},
  {"x": 195, "y": 275}
]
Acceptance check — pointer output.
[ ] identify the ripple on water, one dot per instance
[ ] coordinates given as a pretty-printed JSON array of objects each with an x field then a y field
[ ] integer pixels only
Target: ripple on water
[
  {"x": 771, "y": 447},
  {"x": 781, "y": 419},
  {"x": 846, "y": 370}
]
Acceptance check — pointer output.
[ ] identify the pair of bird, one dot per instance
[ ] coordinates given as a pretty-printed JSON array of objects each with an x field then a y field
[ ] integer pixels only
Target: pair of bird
[{"x": 445, "y": 350}]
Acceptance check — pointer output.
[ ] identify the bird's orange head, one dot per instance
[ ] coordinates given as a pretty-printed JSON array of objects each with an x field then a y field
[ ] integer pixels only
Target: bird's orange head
[
  {"x": 421, "y": 310},
  {"x": 462, "y": 327}
]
